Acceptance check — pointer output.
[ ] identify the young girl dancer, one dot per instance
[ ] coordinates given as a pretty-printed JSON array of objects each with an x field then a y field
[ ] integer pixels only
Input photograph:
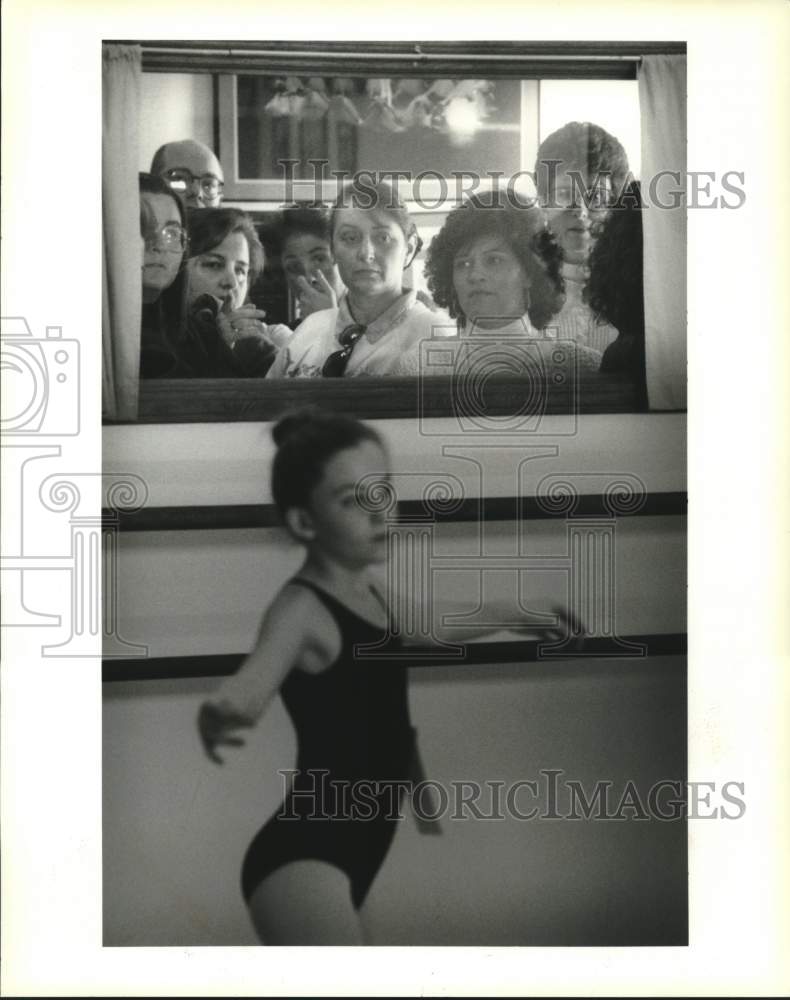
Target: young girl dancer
[
  {"x": 351, "y": 717},
  {"x": 350, "y": 712}
]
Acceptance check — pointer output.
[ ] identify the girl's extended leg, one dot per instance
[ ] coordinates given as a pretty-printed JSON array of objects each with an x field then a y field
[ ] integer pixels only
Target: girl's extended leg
[{"x": 306, "y": 903}]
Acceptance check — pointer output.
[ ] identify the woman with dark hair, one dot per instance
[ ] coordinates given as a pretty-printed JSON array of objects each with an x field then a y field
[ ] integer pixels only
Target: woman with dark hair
[
  {"x": 580, "y": 172},
  {"x": 496, "y": 268},
  {"x": 615, "y": 288},
  {"x": 221, "y": 333},
  {"x": 163, "y": 230},
  {"x": 209, "y": 329},
  {"x": 377, "y": 327}
]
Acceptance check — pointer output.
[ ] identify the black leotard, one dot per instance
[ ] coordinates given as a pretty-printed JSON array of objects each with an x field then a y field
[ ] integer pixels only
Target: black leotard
[{"x": 352, "y": 722}]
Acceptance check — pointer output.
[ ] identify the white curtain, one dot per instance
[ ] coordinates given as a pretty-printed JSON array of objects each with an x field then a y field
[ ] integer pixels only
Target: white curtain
[
  {"x": 662, "y": 99},
  {"x": 121, "y": 246}
]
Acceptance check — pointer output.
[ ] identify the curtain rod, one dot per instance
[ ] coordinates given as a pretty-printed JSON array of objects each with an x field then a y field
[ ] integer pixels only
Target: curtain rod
[
  {"x": 281, "y": 54},
  {"x": 604, "y": 60},
  {"x": 429, "y": 49}
]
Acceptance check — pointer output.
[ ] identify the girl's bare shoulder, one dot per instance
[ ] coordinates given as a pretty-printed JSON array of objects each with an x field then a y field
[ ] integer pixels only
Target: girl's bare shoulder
[{"x": 297, "y": 617}]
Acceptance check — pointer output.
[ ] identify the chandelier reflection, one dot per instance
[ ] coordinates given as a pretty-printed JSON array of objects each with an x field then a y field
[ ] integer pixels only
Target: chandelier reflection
[{"x": 457, "y": 109}]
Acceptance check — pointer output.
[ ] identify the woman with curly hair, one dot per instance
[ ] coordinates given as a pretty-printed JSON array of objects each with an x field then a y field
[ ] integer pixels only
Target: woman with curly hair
[
  {"x": 496, "y": 268},
  {"x": 615, "y": 290}
]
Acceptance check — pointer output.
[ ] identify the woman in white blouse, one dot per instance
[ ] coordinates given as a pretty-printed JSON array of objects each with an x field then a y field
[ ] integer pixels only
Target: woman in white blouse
[{"x": 378, "y": 325}]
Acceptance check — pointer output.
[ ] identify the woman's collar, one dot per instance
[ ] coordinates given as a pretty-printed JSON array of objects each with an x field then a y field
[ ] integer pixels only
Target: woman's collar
[
  {"x": 518, "y": 326},
  {"x": 385, "y": 321},
  {"x": 575, "y": 272}
]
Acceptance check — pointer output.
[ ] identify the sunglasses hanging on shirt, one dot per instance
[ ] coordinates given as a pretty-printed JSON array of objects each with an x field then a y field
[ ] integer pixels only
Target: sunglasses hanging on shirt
[{"x": 337, "y": 362}]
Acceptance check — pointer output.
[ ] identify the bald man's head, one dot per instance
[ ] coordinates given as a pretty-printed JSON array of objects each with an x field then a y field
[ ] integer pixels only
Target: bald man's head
[{"x": 192, "y": 170}]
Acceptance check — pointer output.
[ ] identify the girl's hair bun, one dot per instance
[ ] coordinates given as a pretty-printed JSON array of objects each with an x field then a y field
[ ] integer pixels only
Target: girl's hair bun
[
  {"x": 306, "y": 440},
  {"x": 293, "y": 424}
]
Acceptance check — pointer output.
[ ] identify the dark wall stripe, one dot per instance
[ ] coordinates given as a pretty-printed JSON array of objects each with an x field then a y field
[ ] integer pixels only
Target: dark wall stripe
[
  {"x": 236, "y": 516},
  {"x": 626, "y": 647}
]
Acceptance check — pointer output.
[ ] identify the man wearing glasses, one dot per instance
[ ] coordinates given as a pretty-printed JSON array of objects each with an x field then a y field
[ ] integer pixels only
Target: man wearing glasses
[{"x": 192, "y": 171}]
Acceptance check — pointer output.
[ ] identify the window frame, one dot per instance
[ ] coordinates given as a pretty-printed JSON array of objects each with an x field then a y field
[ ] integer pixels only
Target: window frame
[{"x": 228, "y": 400}]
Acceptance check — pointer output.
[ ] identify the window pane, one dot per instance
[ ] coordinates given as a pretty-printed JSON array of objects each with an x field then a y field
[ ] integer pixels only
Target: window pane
[
  {"x": 377, "y": 124},
  {"x": 612, "y": 104}
]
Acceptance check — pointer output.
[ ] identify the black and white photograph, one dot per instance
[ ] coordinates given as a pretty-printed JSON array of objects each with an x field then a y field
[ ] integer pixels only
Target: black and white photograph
[
  {"x": 378, "y": 572},
  {"x": 401, "y": 592}
]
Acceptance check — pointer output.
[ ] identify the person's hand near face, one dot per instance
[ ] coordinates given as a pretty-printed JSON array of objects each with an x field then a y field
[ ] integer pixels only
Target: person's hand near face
[
  {"x": 378, "y": 325},
  {"x": 315, "y": 293},
  {"x": 223, "y": 273},
  {"x": 311, "y": 273}
]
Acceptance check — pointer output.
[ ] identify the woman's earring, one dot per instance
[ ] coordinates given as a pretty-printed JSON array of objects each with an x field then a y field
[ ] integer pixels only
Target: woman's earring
[{"x": 417, "y": 248}]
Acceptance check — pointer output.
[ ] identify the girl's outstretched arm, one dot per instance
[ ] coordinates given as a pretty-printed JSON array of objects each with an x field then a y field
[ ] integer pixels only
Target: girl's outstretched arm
[
  {"x": 503, "y": 615},
  {"x": 296, "y": 631},
  {"x": 507, "y": 616}
]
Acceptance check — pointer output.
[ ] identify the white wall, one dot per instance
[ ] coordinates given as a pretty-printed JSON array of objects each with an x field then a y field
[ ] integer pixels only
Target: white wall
[
  {"x": 184, "y": 464},
  {"x": 174, "y": 106}
]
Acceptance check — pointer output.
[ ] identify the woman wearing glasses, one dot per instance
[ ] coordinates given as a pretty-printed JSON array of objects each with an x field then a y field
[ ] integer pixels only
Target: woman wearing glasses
[
  {"x": 378, "y": 325},
  {"x": 164, "y": 237}
]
